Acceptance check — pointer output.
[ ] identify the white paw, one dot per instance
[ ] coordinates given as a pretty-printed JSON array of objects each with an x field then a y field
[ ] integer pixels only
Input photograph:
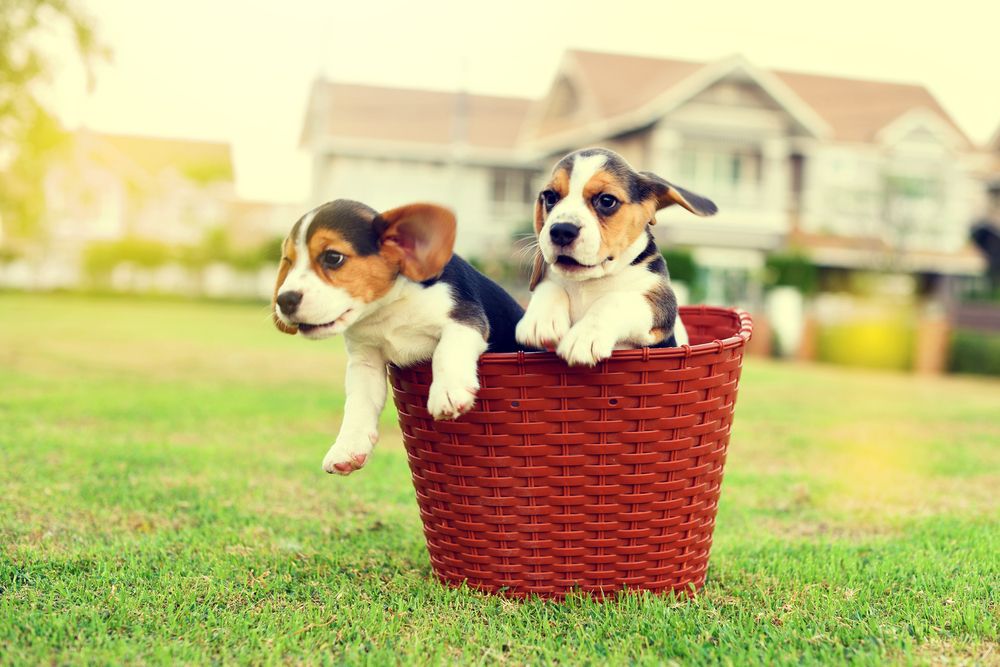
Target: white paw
[
  {"x": 349, "y": 454},
  {"x": 543, "y": 329},
  {"x": 587, "y": 343},
  {"x": 451, "y": 400}
]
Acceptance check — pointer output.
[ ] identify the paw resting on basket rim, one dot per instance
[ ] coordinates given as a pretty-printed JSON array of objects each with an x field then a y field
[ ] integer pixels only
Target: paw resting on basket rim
[
  {"x": 451, "y": 400},
  {"x": 349, "y": 453},
  {"x": 587, "y": 343},
  {"x": 542, "y": 330}
]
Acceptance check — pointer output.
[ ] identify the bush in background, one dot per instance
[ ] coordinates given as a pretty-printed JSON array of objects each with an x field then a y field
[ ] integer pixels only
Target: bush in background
[
  {"x": 101, "y": 257},
  {"x": 975, "y": 352},
  {"x": 792, "y": 269},
  {"x": 681, "y": 264}
]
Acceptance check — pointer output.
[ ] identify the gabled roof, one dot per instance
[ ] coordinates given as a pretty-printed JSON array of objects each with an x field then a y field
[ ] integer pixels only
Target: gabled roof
[
  {"x": 852, "y": 109},
  {"x": 353, "y": 111},
  {"x": 621, "y": 83},
  {"x": 857, "y": 109}
]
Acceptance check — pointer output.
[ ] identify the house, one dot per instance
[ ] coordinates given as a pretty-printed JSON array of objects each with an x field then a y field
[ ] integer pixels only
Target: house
[
  {"x": 392, "y": 146},
  {"x": 858, "y": 174}
]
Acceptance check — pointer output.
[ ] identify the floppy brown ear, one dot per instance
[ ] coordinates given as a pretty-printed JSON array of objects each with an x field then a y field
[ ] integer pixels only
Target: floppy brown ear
[
  {"x": 537, "y": 271},
  {"x": 539, "y": 216},
  {"x": 282, "y": 272},
  {"x": 538, "y": 265},
  {"x": 668, "y": 194},
  {"x": 419, "y": 239}
]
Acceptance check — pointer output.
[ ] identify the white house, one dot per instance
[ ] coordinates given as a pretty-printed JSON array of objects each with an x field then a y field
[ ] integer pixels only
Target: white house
[{"x": 859, "y": 174}]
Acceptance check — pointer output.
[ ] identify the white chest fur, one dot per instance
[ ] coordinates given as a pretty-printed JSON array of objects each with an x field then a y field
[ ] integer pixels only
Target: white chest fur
[
  {"x": 405, "y": 325},
  {"x": 629, "y": 281}
]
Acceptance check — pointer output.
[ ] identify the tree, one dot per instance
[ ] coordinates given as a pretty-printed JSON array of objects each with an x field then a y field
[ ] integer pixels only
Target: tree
[{"x": 29, "y": 135}]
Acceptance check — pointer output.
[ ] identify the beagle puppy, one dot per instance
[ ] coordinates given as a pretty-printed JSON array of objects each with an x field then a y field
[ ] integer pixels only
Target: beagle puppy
[
  {"x": 599, "y": 281},
  {"x": 390, "y": 283}
]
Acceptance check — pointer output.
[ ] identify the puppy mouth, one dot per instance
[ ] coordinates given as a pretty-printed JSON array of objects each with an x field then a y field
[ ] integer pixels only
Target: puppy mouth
[
  {"x": 569, "y": 264},
  {"x": 307, "y": 328}
]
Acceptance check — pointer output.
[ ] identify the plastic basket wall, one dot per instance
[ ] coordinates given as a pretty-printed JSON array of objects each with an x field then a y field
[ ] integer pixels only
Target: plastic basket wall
[{"x": 573, "y": 479}]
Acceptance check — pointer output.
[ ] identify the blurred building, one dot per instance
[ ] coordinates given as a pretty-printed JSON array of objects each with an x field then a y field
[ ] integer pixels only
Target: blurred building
[
  {"x": 858, "y": 174},
  {"x": 392, "y": 146},
  {"x": 112, "y": 186},
  {"x": 177, "y": 193}
]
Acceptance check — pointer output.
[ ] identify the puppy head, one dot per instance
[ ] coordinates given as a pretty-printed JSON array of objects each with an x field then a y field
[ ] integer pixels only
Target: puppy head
[
  {"x": 591, "y": 215},
  {"x": 341, "y": 257}
]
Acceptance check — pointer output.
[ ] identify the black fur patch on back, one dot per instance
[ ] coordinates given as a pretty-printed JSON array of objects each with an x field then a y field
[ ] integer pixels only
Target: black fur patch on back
[
  {"x": 663, "y": 301},
  {"x": 481, "y": 304},
  {"x": 352, "y": 220}
]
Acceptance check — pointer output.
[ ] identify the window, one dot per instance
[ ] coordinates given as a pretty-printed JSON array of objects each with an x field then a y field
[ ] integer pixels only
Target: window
[
  {"x": 913, "y": 210},
  {"x": 513, "y": 188},
  {"x": 731, "y": 171}
]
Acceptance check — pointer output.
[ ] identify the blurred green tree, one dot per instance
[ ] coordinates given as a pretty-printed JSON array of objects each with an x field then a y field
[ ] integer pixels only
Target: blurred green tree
[{"x": 29, "y": 135}]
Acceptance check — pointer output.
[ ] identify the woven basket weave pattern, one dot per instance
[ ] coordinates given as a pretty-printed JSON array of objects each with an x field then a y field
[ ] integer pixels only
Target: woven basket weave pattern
[{"x": 565, "y": 479}]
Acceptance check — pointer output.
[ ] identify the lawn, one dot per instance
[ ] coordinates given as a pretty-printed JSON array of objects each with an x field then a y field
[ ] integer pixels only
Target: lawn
[{"x": 162, "y": 501}]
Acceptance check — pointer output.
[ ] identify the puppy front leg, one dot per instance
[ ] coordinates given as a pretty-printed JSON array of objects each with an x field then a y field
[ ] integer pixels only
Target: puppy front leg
[
  {"x": 365, "y": 386},
  {"x": 611, "y": 320},
  {"x": 455, "y": 364},
  {"x": 547, "y": 319}
]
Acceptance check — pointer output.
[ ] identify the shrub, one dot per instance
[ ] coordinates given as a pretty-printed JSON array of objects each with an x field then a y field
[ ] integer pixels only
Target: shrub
[
  {"x": 792, "y": 269},
  {"x": 100, "y": 257},
  {"x": 975, "y": 352},
  {"x": 681, "y": 264}
]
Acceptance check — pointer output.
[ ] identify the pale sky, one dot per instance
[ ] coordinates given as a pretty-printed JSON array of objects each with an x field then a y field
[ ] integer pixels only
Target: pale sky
[{"x": 240, "y": 71}]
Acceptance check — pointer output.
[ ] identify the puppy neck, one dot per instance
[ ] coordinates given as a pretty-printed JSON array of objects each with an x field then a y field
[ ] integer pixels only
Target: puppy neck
[
  {"x": 402, "y": 287},
  {"x": 636, "y": 248}
]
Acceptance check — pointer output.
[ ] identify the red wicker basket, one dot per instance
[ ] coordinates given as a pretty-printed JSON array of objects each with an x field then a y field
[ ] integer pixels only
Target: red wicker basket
[{"x": 573, "y": 479}]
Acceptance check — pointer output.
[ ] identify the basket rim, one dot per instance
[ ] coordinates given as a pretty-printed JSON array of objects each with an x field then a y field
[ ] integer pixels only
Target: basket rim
[{"x": 739, "y": 339}]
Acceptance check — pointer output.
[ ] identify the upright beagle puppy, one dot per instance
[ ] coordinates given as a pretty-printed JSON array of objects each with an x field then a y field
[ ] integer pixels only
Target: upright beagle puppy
[
  {"x": 599, "y": 280},
  {"x": 390, "y": 283}
]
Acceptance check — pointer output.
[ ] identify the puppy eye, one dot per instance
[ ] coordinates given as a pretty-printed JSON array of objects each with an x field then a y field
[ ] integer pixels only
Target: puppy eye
[
  {"x": 331, "y": 260},
  {"x": 549, "y": 198},
  {"x": 605, "y": 203}
]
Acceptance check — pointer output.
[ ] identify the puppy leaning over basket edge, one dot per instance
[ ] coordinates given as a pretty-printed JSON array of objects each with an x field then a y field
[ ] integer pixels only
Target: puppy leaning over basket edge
[{"x": 392, "y": 285}]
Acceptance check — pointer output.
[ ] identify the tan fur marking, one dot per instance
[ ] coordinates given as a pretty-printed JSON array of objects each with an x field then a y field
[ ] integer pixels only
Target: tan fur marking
[
  {"x": 560, "y": 185},
  {"x": 623, "y": 227},
  {"x": 366, "y": 278},
  {"x": 286, "y": 262}
]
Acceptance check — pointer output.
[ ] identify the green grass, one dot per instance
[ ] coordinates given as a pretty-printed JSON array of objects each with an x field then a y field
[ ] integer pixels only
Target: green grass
[{"x": 161, "y": 501}]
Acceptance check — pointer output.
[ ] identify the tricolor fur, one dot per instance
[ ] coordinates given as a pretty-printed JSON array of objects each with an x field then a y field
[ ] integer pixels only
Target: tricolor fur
[
  {"x": 599, "y": 280},
  {"x": 390, "y": 283}
]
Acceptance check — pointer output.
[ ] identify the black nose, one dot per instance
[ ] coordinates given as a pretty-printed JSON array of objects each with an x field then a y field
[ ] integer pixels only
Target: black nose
[
  {"x": 289, "y": 301},
  {"x": 563, "y": 233}
]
